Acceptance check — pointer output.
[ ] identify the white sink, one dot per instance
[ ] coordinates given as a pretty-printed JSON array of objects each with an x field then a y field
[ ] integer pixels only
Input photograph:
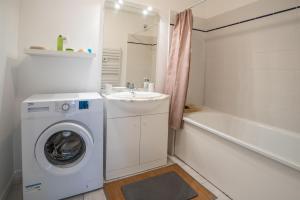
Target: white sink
[
  {"x": 127, "y": 103},
  {"x": 136, "y": 96}
]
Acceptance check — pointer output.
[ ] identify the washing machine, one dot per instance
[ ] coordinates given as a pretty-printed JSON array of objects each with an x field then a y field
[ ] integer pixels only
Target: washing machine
[{"x": 62, "y": 145}]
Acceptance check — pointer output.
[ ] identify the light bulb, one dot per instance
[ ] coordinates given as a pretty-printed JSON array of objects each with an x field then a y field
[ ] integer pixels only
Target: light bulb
[
  {"x": 145, "y": 12},
  {"x": 121, "y": 2},
  {"x": 149, "y": 8},
  {"x": 117, "y": 6}
]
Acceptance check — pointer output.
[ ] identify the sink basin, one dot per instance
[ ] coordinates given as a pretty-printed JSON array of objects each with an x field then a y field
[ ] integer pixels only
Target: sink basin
[
  {"x": 127, "y": 103},
  {"x": 136, "y": 96},
  {"x": 137, "y": 103}
]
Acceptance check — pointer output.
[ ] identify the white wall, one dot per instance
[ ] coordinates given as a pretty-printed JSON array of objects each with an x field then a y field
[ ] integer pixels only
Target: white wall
[
  {"x": 195, "y": 94},
  {"x": 9, "y": 16},
  {"x": 41, "y": 21},
  {"x": 162, "y": 49},
  {"x": 216, "y": 7}
]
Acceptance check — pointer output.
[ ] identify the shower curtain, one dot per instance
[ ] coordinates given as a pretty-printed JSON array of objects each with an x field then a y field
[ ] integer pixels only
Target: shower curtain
[{"x": 179, "y": 66}]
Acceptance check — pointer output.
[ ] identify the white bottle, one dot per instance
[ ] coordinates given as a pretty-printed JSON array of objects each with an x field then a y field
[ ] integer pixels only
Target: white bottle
[
  {"x": 151, "y": 87},
  {"x": 146, "y": 84}
]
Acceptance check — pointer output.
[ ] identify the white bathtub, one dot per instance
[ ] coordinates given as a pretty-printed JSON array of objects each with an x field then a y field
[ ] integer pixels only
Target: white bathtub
[{"x": 246, "y": 159}]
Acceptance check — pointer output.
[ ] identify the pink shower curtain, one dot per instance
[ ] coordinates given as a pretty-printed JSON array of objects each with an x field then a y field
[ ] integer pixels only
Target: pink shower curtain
[{"x": 179, "y": 67}]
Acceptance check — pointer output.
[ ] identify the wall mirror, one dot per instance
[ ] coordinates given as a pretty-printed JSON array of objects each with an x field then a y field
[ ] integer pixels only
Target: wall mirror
[{"x": 129, "y": 44}]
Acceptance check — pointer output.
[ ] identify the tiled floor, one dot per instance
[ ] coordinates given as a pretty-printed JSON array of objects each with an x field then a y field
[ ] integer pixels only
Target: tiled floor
[
  {"x": 218, "y": 193},
  {"x": 16, "y": 194},
  {"x": 16, "y": 191}
]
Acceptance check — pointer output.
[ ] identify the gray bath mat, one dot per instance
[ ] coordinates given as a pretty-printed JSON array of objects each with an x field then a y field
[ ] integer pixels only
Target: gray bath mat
[{"x": 168, "y": 186}]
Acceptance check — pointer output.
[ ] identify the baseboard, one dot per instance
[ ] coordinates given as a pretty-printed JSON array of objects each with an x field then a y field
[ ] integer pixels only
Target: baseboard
[
  {"x": 15, "y": 179},
  {"x": 7, "y": 188}
]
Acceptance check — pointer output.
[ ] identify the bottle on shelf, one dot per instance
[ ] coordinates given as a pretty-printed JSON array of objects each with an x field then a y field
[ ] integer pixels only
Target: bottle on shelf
[{"x": 60, "y": 43}]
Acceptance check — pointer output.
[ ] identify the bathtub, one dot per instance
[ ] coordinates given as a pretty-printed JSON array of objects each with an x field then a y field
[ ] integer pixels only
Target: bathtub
[{"x": 245, "y": 159}]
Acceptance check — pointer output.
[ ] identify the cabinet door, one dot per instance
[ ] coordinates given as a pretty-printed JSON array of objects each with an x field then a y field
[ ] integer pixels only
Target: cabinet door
[
  {"x": 154, "y": 137},
  {"x": 123, "y": 138}
]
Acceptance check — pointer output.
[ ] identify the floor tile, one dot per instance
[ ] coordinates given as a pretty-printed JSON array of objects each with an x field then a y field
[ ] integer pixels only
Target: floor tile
[
  {"x": 189, "y": 170},
  {"x": 15, "y": 193},
  {"x": 217, "y": 192},
  {"x": 16, "y": 190},
  {"x": 78, "y": 197},
  {"x": 95, "y": 195}
]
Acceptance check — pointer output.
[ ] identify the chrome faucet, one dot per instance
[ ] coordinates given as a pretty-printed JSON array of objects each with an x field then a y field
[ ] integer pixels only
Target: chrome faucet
[{"x": 131, "y": 87}]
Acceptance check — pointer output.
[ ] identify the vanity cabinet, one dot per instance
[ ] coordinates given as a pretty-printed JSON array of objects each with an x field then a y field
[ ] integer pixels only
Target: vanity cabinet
[
  {"x": 135, "y": 142},
  {"x": 154, "y": 137},
  {"x": 123, "y": 140}
]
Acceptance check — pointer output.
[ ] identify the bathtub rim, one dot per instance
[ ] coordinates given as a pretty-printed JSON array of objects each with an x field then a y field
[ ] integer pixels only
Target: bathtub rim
[{"x": 248, "y": 146}]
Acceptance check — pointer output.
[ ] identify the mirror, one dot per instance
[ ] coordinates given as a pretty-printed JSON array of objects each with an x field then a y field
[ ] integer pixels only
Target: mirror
[{"x": 129, "y": 45}]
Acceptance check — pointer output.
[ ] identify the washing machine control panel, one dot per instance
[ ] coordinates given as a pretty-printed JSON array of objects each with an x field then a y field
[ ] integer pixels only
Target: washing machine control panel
[
  {"x": 65, "y": 106},
  {"x": 71, "y": 106},
  {"x": 83, "y": 105}
]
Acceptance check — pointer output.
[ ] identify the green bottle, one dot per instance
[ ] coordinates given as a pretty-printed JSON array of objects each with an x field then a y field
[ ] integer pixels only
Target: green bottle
[{"x": 60, "y": 43}]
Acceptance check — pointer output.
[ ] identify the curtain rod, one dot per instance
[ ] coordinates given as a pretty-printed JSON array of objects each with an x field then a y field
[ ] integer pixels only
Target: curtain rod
[{"x": 247, "y": 20}]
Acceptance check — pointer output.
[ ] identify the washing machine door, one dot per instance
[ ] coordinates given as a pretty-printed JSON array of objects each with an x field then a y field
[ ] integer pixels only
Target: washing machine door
[{"x": 64, "y": 148}]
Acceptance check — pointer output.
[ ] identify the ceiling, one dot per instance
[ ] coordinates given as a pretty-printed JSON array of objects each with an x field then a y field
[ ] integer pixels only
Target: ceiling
[
  {"x": 129, "y": 7},
  {"x": 208, "y": 9},
  {"x": 212, "y": 8}
]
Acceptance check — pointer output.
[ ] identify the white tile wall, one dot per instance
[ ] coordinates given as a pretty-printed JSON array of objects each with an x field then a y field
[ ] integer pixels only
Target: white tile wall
[
  {"x": 253, "y": 70},
  {"x": 197, "y": 71}
]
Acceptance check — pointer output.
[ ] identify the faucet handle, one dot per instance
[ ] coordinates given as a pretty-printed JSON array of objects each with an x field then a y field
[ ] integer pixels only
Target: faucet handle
[{"x": 131, "y": 86}]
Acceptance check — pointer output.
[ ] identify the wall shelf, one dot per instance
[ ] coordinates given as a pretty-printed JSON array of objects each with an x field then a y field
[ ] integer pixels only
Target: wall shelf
[{"x": 51, "y": 53}]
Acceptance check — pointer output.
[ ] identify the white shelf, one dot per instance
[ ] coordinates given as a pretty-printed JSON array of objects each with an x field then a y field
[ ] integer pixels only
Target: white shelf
[{"x": 51, "y": 53}]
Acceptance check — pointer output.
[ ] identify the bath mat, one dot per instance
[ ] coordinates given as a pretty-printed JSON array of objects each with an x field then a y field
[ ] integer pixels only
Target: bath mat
[
  {"x": 113, "y": 189},
  {"x": 168, "y": 186}
]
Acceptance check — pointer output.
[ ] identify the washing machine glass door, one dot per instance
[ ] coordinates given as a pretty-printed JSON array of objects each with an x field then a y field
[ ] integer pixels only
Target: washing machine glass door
[{"x": 64, "y": 148}]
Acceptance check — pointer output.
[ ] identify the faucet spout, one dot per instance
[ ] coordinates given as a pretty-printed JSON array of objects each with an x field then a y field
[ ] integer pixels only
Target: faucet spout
[{"x": 132, "y": 92}]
